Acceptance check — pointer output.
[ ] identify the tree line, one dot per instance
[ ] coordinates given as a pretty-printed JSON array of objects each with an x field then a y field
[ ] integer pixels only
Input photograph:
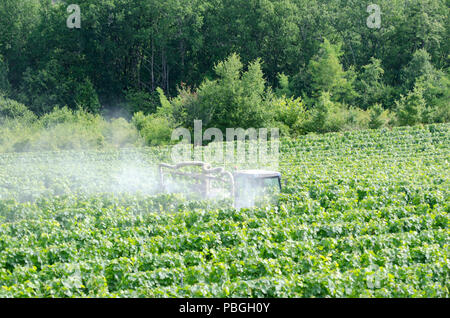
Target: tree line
[{"x": 305, "y": 65}]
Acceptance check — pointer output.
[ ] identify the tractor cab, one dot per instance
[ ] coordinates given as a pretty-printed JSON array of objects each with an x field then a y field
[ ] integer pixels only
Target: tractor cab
[{"x": 255, "y": 186}]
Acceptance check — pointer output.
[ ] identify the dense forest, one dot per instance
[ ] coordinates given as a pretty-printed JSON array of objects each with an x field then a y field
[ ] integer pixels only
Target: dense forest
[{"x": 301, "y": 65}]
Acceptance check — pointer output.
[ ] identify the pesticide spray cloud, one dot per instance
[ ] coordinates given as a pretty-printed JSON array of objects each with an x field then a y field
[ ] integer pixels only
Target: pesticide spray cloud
[
  {"x": 28, "y": 176},
  {"x": 133, "y": 170}
]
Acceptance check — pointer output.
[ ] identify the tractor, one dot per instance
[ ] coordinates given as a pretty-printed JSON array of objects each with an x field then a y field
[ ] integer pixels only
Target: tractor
[{"x": 246, "y": 188}]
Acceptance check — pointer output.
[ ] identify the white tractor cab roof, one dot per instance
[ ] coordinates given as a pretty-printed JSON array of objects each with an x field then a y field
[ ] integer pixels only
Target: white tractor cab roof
[
  {"x": 258, "y": 173},
  {"x": 239, "y": 182}
]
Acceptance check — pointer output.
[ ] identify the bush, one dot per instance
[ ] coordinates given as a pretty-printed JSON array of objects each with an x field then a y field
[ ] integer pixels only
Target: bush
[
  {"x": 355, "y": 118},
  {"x": 378, "y": 117},
  {"x": 410, "y": 108},
  {"x": 86, "y": 97},
  {"x": 289, "y": 112},
  {"x": 284, "y": 86},
  {"x": 67, "y": 136},
  {"x": 328, "y": 75},
  {"x": 235, "y": 99},
  {"x": 326, "y": 116},
  {"x": 11, "y": 109},
  {"x": 54, "y": 85},
  {"x": 64, "y": 129},
  {"x": 40, "y": 89},
  {"x": 370, "y": 86},
  {"x": 436, "y": 93},
  {"x": 121, "y": 133},
  {"x": 66, "y": 115},
  {"x": 419, "y": 66},
  {"x": 180, "y": 110},
  {"x": 154, "y": 130},
  {"x": 441, "y": 112}
]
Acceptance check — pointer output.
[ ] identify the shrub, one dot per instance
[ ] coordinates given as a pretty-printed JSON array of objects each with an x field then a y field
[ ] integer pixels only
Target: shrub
[
  {"x": 328, "y": 75},
  {"x": 155, "y": 130},
  {"x": 436, "y": 93},
  {"x": 63, "y": 129},
  {"x": 289, "y": 112},
  {"x": 120, "y": 133},
  {"x": 419, "y": 66},
  {"x": 57, "y": 116},
  {"x": 40, "y": 90},
  {"x": 235, "y": 98},
  {"x": 66, "y": 115},
  {"x": 326, "y": 116},
  {"x": 378, "y": 117},
  {"x": 86, "y": 97},
  {"x": 441, "y": 112},
  {"x": 11, "y": 109},
  {"x": 284, "y": 86},
  {"x": 55, "y": 85},
  {"x": 370, "y": 87},
  {"x": 410, "y": 108},
  {"x": 355, "y": 118},
  {"x": 67, "y": 136},
  {"x": 180, "y": 110}
]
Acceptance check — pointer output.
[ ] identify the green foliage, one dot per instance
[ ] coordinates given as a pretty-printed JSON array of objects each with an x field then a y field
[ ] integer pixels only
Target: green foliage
[
  {"x": 4, "y": 82},
  {"x": 284, "y": 89},
  {"x": 155, "y": 130},
  {"x": 39, "y": 90},
  {"x": 356, "y": 119},
  {"x": 436, "y": 93},
  {"x": 120, "y": 133},
  {"x": 327, "y": 73},
  {"x": 224, "y": 74},
  {"x": 326, "y": 115},
  {"x": 86, "y": 97},
  {"x": 419, "y": 67},
  {"x": 62, "y": 128},
  {"x": 52, "y": 86},
  {"x": 358, "y": 216},
  {"x": 411, "y": 108},
  {"x": 64, "y": 115},
  {"x": 434, "y": 86},
  {"x": 370, "y": 84},
  {"x": 378, "y": 117},
  {"x": 180, "y": 110},
  {"x": 289, "y": 112},
  {"x": 143, "y": 101},
  {"x": 325, "y": 68},
  {"x": 236, "y": 98},
  {"x": 13, "y": 110}
]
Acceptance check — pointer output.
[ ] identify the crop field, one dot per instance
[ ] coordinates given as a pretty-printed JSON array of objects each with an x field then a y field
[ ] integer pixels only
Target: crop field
[{"x": 361, "y": 214}]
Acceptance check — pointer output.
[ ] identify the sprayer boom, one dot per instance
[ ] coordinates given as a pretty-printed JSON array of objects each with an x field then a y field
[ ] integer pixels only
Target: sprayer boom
[{"x": 205, "y": 177}]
